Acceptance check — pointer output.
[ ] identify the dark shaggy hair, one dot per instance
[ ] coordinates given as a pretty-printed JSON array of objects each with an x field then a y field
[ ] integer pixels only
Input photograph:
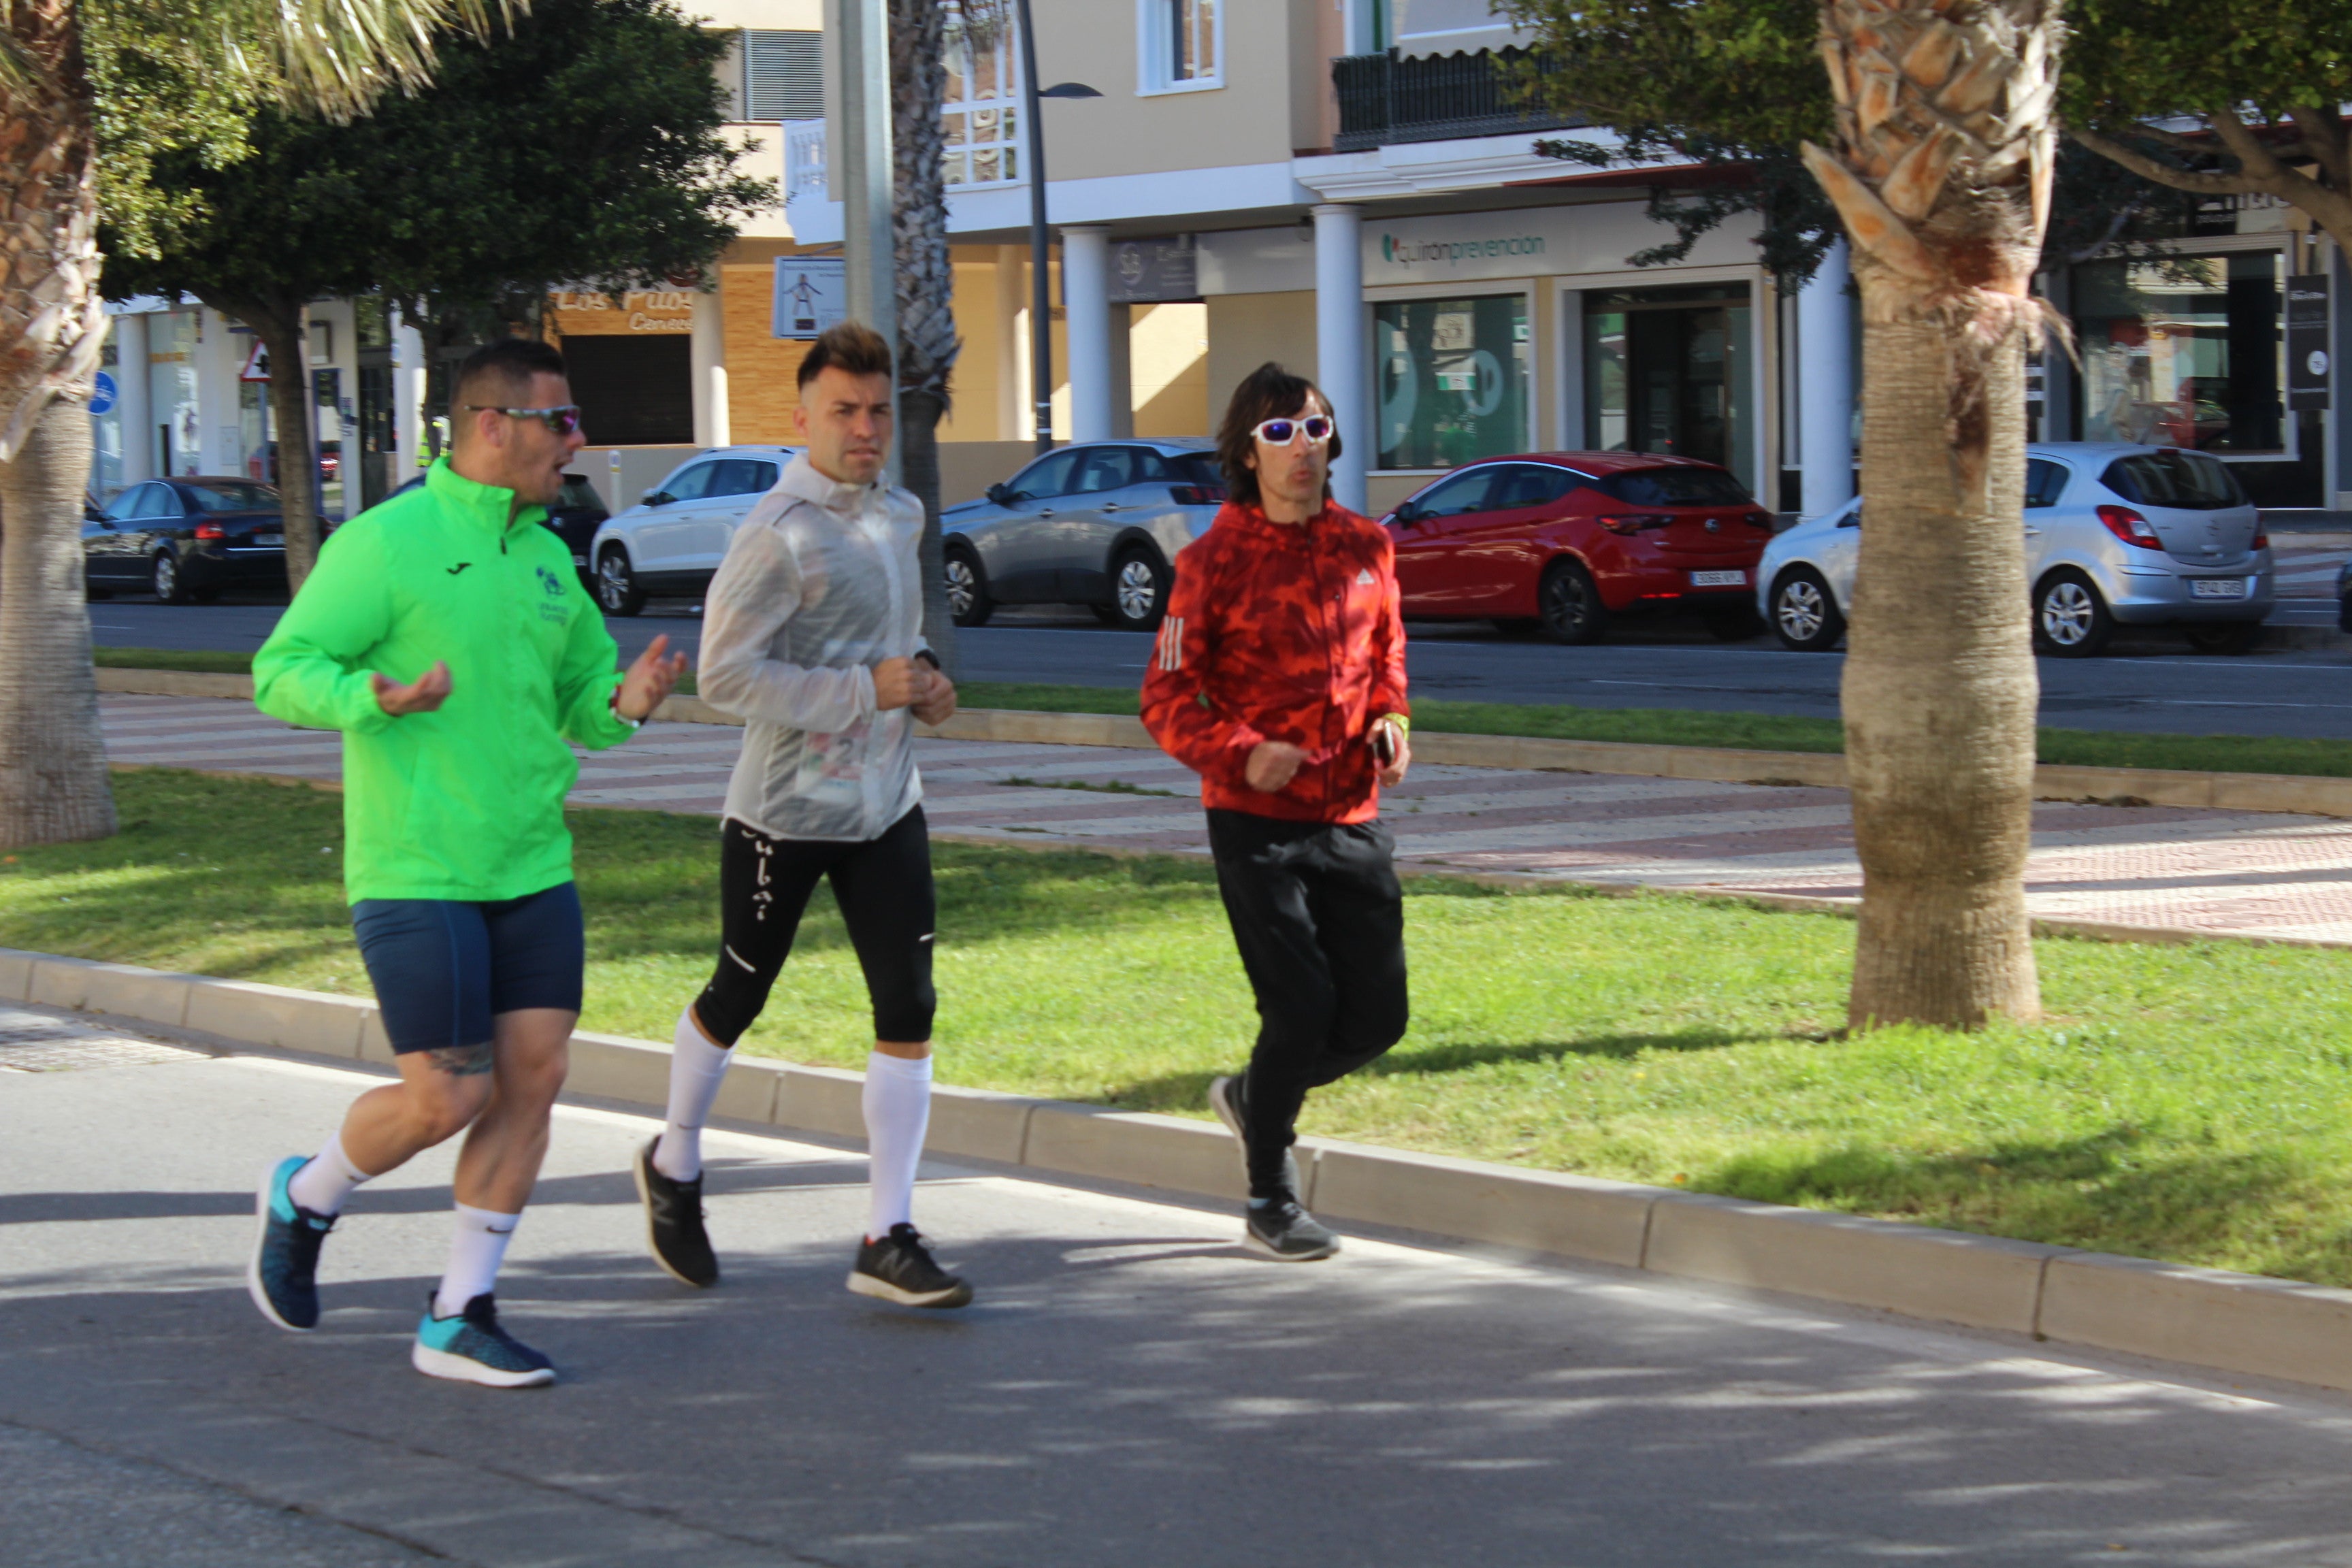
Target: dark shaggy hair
[
  {"x": 852, "y": 346},
  {"x": 498, "y": 374},
  {"x": 1269, "y": 392}
]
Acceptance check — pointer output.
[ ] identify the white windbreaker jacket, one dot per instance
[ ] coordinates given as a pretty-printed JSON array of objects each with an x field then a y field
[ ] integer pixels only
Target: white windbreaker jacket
[{"x": 820, "y": 584}]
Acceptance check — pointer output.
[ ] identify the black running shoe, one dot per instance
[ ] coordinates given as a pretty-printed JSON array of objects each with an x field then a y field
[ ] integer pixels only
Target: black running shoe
[
  {"x": 1287, "y": 1233},
  {"x": 1225, "y": 1099},
  {"x": 898, "y": 1268},
  {"x": 674, "y": 1232},
  {"x": 472, "y": 1348},
  {"x": 283, "y": 1275}
]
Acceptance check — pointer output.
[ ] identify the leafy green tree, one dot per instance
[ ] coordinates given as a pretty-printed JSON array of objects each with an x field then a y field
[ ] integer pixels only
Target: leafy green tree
[
  {"x": 579, "y": 146},
  {"x": 94, "y": 91}
]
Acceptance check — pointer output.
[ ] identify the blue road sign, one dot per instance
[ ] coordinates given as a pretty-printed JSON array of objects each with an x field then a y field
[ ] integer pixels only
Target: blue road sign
[{"x": 102, "y": 395}]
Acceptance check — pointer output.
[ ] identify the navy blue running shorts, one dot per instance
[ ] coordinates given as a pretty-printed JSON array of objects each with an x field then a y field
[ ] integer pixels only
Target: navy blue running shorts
[{"x": 443, "y": 968}]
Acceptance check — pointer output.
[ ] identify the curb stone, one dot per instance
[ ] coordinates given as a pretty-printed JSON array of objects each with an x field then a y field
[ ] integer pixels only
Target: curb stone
[{"x": 2280, "y": 1329}]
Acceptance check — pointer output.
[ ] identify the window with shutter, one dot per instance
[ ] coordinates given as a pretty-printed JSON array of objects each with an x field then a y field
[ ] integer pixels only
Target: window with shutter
[{"x": 783, "y": 76}]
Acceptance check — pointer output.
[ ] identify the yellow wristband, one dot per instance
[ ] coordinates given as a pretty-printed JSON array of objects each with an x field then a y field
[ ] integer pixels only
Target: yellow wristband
[{"x": 1403, "y": 724}]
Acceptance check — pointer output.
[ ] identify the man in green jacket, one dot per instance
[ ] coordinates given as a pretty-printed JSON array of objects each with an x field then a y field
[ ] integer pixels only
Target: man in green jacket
[{"x": 447, "y": 637}]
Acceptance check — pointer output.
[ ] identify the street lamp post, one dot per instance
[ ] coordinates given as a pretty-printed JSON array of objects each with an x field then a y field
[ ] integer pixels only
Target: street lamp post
[
  {"x": 1041, "y": 298},
  {"x": 872, "y": 290}
]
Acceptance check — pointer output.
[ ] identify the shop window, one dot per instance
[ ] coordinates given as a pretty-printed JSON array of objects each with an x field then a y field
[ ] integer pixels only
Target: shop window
[
  {"x": 1671, "y": 371},
  {"x": 1181, "y": 45},
  {"x": 1453, "y": 379},
  {"x": 2184, "y": 351},
  {"x": 978, "y": 109},
  {"x": 632, "y": 391}
]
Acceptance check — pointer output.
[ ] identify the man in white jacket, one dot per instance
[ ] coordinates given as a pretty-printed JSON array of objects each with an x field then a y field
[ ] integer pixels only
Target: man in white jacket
[{"x": 812, "y": 635}]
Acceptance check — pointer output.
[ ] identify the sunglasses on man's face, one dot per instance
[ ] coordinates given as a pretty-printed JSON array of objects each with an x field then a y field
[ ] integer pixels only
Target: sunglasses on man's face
[
  {"x": 562, "y": 419},
  {"x": 1282, "y": 432}
]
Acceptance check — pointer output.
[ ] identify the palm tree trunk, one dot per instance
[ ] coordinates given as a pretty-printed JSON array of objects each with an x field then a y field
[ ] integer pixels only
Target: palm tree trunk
[
  {"x": 53, "y": 780},
  {"x": 927, "y": 345},
  {"x": 1942, "y": 176},
  {"x": 278, "y": 324}
]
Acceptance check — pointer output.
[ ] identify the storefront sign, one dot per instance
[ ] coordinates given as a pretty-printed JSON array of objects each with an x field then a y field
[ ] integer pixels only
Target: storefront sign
[
  {"x": 1155, "y": 272},
  {"x": 812, "y": 294},
  {"x": 1531, "y": 242},
  {"x": 2307, "y": 349},
  {"x": 583, "y": 314}
]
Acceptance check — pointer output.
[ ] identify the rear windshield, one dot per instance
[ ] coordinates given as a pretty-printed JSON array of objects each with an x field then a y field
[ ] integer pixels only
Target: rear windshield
[
  {"x": 1675, "y": 487},
  {"x": 1196, "y": 469},
  {"x": 232, "y": 497},
  {"x": 578, "y": 495},
  {"x": 2190, "y": 482}
]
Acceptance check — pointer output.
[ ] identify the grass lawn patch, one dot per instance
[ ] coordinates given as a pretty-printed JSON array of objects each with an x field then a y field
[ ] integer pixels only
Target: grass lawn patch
[{"x": 2185, "y": 1102}]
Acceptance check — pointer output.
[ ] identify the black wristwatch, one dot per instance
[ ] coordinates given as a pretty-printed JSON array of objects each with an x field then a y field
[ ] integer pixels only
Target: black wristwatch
[{"x": 928, "y": 657}]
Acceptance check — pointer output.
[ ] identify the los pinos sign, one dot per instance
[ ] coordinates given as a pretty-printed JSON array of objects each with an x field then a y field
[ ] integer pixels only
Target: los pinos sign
[{"x": 584, "y": 311}]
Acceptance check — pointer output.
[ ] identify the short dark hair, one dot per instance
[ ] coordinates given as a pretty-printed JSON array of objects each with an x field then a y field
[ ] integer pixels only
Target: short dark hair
[
  {"x": 852, "y": 346},
  {"x": 1269, "y": 392},
  {"x": 498, "y": 374}
]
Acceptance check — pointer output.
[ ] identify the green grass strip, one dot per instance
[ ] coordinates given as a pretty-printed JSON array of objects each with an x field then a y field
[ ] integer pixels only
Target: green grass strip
[
  {"x": 2189, "y": 1103},
  {"x": 1640, "y": 726}
]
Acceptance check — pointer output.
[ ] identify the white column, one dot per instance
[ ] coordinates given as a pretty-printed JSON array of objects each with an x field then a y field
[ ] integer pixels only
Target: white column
[
  {"x": 1085, "y": 311},
  {"x": 220, "y": 360},
  {"x": 1011, "y": 391},
  {"x": 132, "y": 399},
  {"x": 1825, "y": 386},
  {"x": 712, "y": 425},
  {"x": 1340, "y": 344},
  {"x": 408, "y": 400}
]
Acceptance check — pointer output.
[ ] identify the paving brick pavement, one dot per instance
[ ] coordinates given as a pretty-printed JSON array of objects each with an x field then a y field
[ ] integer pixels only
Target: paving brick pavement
[{"x": 2182, "y": 868}]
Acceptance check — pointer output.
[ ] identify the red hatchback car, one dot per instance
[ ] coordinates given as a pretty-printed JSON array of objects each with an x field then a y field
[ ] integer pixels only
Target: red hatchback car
[{"x": 1559, "y": 543}]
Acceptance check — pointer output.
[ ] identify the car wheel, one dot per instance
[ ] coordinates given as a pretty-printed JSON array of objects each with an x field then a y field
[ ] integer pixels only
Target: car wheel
[
  {"x": 1139, "y": 590},
  {"x": 2070, "y": 619},
  {"x": 1568, "y": 606},
  {"x": 164, "y": 578},
  {"x": 616, "y": 586},
  {"x": 1804, "y": 611},
  {"x": 969, "y": 601},
  {"x": 2228, "y": 637}
]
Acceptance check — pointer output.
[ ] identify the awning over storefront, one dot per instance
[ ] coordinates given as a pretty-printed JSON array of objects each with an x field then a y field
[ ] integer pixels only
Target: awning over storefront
[{"x": 1448, "y": 27}]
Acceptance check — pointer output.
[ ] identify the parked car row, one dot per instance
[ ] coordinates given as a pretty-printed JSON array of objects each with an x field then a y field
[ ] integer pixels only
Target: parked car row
[{"x": 2115, "y": 535}]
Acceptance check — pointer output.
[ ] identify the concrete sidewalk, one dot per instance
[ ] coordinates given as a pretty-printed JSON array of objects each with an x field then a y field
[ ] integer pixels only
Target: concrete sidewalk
[
  {"x": 2174, "y": 868},
  {"x": 1130, "y": 1387}
]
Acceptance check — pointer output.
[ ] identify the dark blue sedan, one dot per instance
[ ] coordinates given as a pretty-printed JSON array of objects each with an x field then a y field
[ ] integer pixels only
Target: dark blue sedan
[{"x": 185, "y": 539}]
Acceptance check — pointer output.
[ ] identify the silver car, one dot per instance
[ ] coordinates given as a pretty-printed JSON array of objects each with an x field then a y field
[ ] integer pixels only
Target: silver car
[
  {"x": 671, "y": 543},
  {"x": 1096, "y": 524},
  {"x": 2115, "y": 535}
]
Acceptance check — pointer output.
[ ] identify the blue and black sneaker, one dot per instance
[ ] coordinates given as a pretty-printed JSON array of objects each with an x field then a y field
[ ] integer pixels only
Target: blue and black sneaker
[
  {"x": 283, "y": 1277},
  {"x": 472, "y": 1348}
]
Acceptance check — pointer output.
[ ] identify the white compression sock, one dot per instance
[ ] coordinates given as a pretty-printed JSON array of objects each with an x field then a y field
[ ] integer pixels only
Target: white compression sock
[
  {"x": 321, "y": 1186},
  {"x": 476, "y": 1250},
  {"x": 898, "y": 1103},
  {"x": 696, "y": 1067}
]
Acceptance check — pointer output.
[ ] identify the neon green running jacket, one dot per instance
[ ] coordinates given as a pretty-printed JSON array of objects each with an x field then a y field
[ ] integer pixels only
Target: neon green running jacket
[{"x": 466, "y": 802}]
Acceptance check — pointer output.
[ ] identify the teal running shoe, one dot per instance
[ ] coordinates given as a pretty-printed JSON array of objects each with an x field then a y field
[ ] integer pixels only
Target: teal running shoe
[
  {"x": 283, "y": 1277},
  {"x": 472, "y": 1348}
]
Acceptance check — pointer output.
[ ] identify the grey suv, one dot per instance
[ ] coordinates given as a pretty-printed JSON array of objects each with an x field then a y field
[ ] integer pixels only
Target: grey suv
[{"x": 1096, "y": 524}]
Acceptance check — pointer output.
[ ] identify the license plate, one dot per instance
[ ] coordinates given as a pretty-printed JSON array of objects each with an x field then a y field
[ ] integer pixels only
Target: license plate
[
  {"x": 269, "y": 539},
  {"x": 2217, "y": 587},
  {"x": 1718, "y": 579}
]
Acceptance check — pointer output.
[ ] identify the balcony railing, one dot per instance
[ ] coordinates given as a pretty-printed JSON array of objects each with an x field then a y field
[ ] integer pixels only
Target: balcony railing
[
  {"x": 1384, "y": 98},
  {"x": 803, "y": 159}
]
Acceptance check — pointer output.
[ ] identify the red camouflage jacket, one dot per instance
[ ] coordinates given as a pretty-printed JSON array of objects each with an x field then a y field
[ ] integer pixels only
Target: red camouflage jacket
[{"x": 1280, "y": 632}]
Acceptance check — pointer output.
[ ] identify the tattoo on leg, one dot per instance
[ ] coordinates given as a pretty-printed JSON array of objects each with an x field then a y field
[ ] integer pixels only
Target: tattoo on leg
[{"x": 463, "y": 1061}]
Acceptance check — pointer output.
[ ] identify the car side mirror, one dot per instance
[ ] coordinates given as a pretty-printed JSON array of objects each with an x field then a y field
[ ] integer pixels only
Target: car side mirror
[
  {"x": 1000, "y": 494},
  {"x": 657, "y": 497},
  {"x": 1408, "y": 515}
]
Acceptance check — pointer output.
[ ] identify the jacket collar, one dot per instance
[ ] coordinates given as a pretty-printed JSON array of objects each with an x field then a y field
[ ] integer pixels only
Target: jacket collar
[
  {"x": 1252, "y": 519},
  {"x": 484, "y": 506},
  {"x": 802, "y": 480}
]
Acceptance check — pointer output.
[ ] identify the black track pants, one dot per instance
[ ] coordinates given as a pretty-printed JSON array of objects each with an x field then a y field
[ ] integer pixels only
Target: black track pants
[
  {"x": 883, "y": 888},
  {"x": 1319, "y": 918}
]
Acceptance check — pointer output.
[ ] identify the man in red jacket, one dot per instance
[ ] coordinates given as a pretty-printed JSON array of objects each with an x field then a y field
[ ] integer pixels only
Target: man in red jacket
[{"x": 1279, "y": 678}]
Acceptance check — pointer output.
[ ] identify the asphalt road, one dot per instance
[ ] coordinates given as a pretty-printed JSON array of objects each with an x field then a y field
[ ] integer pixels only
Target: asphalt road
[
  {"x": 2150, "y": 685},
  {"x": 1130, "y": 1387}
]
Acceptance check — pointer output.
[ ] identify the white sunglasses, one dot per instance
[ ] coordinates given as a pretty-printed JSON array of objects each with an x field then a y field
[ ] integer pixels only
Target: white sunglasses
[{"x": 1282, "y": 432}]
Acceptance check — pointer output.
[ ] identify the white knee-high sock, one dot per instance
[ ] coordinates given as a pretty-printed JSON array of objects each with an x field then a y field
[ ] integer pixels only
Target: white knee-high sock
[
  {"x": 321, "y": 1186},
  {"x": 898, "y": 1103},
  {"x": 476, "y": 1250},
  {"x": 697, "y": 1066}
]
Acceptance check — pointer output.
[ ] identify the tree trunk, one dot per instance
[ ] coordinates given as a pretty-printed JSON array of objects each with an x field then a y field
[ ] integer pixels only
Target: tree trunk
[
  {"x": 53, "y": 780},
  {"x": 927, "y": 345},
  {"x": 1942, "y": 175},
  {"x": 278, "y": 324}
]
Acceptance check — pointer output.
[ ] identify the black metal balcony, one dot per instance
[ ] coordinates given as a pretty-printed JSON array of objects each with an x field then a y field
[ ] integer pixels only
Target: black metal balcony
[{"x": 1384, "y": 98}]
